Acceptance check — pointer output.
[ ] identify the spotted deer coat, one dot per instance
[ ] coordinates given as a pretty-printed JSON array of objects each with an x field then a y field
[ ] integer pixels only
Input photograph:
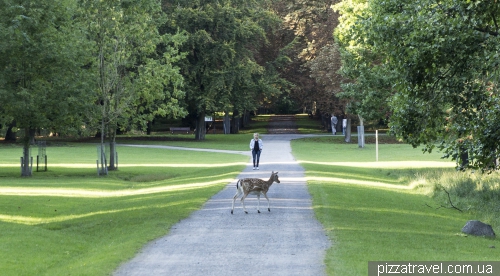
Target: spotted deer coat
[{"x": 254, "y": 186}]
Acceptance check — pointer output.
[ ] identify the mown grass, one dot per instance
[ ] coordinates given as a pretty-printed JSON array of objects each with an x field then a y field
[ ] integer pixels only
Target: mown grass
[
  {"x": 385, "y": 211},
  {"x": 364, "y": 205},
  {"x": 70, "y": 221},
  {"x": 238, "y": 142}
]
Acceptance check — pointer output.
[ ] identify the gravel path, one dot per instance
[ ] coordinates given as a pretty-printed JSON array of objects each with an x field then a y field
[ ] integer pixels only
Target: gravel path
[
  {"x": 286, "y": 241},
  {"x": 282, "y": 124}
]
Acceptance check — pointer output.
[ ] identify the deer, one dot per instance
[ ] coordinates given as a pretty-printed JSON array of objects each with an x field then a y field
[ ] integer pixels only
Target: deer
[{"x": 254, "y": 186}]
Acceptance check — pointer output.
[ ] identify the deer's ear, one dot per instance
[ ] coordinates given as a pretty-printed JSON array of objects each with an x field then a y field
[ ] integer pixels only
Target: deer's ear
[{"x": 276, "y": 173}]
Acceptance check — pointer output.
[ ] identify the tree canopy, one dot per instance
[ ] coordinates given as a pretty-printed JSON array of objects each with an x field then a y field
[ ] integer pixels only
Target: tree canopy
[
  {"x": 133, "y": 81},
  {"x": 429, "y": 67},
  {"x": 444, "y": 59},
  {"x": 41, "y": 52},
  {"x": 368, "y": 80},
  {"x": 306, "y": 38},
  {"x": 220, "y": 70}
]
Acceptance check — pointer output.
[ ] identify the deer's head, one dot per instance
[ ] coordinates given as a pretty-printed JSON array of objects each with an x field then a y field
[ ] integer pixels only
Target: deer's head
[{"x": 274, "y": 177}]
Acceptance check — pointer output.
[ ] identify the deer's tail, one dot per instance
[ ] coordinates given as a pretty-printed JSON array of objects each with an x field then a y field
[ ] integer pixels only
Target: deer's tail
[{"x": 237, "y": 184}]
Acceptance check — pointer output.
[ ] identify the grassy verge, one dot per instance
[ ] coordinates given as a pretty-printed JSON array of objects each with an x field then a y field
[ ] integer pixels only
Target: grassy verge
[
  {"x": 69, "y": 220},
  {"x": 471, "y": 192},
  {"x": 382, "y": 211}
]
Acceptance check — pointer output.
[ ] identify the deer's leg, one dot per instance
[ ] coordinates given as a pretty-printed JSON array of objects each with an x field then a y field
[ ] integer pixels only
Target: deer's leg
[
  {"x": 268, "y": 205},
  {"x": 258, "y": 203},
  {"x": 243, "y": 202},
  {"x": 238, "y": 193}
]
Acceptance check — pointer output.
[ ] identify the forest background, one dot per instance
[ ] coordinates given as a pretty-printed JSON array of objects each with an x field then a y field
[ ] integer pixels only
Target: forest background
[{"x": 428, "y": 71}]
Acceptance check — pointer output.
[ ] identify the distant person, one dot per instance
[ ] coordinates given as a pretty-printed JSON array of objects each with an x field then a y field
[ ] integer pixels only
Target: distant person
[
  {"x": 334, "y": 124},
  {"x": 344, "y": 126},
  {"x": 256, "y": 147}
]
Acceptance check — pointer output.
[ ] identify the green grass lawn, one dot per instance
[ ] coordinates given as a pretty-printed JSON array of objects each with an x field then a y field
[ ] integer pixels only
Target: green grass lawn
[
  {"x": 238, "y": 142},
  {"x": 382, "y": 211},
  {"x": 70, "y": 221}
]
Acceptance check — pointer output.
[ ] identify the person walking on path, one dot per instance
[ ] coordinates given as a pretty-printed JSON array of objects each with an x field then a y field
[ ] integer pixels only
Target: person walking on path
[
  {"x": 288, "y": 241},
  {"x": 334, "y": 124},
  {"x": 256, "y": 147}
]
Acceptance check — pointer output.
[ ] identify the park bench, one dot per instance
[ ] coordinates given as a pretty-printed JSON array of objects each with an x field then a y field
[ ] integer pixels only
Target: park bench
[{"x": 179, "y": 130}]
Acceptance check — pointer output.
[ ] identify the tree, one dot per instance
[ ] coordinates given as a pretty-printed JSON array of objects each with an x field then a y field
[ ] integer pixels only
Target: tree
[
  {"x": 368, "y": 80},
  {"x": 132, "y": 64},
  {"x": 446, "y": 56},
  {"x": 41, "y": 63},
  {"x": 325, "y": 70},
  {"x": 306, "y": 37},
  {"x": 220, "y": 70}
]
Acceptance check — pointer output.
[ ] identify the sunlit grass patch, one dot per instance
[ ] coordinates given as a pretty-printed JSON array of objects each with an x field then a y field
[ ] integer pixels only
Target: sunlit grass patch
[
  {"x": 68, "y": 219},
  {"x": 325, "y": 151},
  {"x": 90, "y": 235},
  {"x": 372, "y": 223},
  {"x": 384, "y": 211}
]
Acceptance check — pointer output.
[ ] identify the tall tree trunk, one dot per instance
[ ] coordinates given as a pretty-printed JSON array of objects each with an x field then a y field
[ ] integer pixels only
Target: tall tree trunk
[
  {"x": 235, "y": 123},
  {"x": 104, "y": 104},
  {"x": 464, "y": 158},
  {"x": 246, "y": 119},
  {"x": 32, "y": 136},
  {"x": 227, "y": 122},
  {"x": 25, "y": 167},
  {"x": 347, "y": 137},
  {"x": 149, "y": 127},
  {"x": 200, "y": 127},
  {"x": 112, "y": 149},
  {"x": 361, "y": 132},
  {"x": 103, "y": 164},
  {"x": 361, "y": 121}
]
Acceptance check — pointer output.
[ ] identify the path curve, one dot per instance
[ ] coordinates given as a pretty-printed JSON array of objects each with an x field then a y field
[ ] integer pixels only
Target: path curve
[{"x": 286, "y": 241}]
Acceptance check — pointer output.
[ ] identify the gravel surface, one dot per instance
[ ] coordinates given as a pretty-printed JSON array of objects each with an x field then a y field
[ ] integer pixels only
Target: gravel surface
[{"x": 286, "y": 241}]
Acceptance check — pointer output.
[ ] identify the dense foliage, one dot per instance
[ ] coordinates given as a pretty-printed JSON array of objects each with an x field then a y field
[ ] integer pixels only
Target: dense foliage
[
  {"x": 41, "y": 56},
  {"x": 220, "y": 70},
  {"x": 133, "y": 82},
  {"x": 306, "y": 37},
  {"x": 430, "y": 68},
  {"x": 443, "y": 62}
]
